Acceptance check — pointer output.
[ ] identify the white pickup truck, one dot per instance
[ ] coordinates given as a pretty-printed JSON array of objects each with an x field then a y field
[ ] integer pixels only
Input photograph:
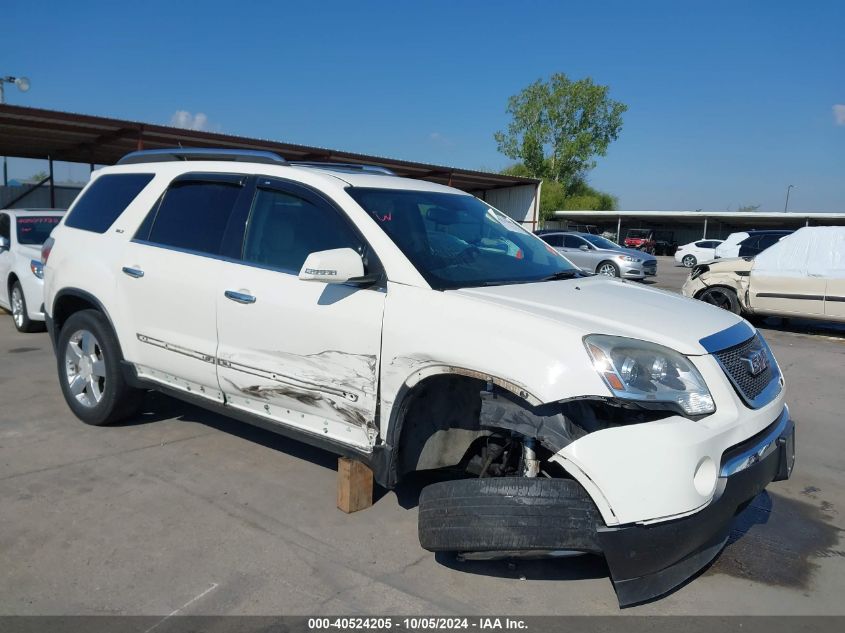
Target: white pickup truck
[{"x": 414, "y": 327}]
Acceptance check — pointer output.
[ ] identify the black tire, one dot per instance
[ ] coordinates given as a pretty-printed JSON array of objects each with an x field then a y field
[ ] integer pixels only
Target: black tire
[
  {"x": 721, "y": 297},
  {"x": 117, "y": 399},
  {"x": 689, "y": 261},
  {"x": 608, "y": 265},
  {"x": 507, "y": 514},
  {"x": 21, "y": 320}
]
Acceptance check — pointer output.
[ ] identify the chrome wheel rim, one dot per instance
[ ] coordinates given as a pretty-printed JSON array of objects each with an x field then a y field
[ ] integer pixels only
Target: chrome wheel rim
[
  {"x": 607, "y": 270},
  {"x": 17, "y": 306},
  {"x": 689, "y": 261},
  {"x": 85, "y": 368}
]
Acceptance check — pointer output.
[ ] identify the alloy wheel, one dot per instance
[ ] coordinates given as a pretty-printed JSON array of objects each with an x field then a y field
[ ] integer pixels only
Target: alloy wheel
[
  {"x": 17, "y": 307},
  {"x": 689, "y": 261},
  {"x": 608, "y": 270},
  {"x": 85, "y": 368}
]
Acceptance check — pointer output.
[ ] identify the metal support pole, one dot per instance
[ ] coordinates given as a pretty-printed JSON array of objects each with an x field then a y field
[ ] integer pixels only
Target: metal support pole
[
  {"x": 52, "y": 187},
  {"x": 619, "y": 230},
  {"x": 91, "y": 167},
  {"x": 704, "y": 236},
  {"x": 806, "y": 221},
  {"x": 5, "y": 173}
]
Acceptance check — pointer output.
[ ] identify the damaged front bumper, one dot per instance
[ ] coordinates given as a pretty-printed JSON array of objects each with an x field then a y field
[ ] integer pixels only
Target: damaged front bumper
[{"x": 647, "y": 561}]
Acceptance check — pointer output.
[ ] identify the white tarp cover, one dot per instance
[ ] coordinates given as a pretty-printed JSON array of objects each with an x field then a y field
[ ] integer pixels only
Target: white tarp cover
[{"x": 813, "y": 250}]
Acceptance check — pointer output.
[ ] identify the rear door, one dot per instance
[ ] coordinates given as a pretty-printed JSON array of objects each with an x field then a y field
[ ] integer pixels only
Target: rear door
[
  {"x": 169, "y": 279},
  {"x": 298, "y": 353}
]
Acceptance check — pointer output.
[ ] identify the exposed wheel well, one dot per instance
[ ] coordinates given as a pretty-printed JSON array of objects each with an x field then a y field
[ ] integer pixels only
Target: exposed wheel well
[
  {"x": 68, "y": 304},
  {"x": 721, "y": 286},
  {"x": 11, "y": 282},
  {"x": 437, "y": 422}
]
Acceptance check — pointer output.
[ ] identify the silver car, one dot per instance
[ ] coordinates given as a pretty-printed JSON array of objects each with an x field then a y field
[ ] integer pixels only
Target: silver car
[{"x": 596, "y": 254}]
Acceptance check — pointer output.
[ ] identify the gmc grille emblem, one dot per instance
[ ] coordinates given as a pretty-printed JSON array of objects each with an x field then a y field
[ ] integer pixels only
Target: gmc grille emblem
[{"x": 755, "y": 362}]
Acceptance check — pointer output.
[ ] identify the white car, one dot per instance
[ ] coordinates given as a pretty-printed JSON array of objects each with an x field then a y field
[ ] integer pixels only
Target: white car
[
  {"x": 22, "y": 232},
  {"x": 694, "y": 252},
  {"x": 369, "y": 315},
  {"x": 730, "y": 247}
]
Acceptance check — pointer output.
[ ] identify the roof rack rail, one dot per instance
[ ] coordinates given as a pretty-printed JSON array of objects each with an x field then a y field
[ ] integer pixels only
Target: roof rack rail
[
  {"x": 201, "y": 153},
  {"x": 350, "y": 167}
]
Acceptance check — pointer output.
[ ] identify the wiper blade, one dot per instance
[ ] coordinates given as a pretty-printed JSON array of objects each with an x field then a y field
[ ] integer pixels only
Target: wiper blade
[{"x": 562, "y": 274}]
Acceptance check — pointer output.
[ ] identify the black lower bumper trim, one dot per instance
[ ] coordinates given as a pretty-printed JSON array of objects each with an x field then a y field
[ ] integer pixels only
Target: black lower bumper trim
[{"x": 648, "y": 561}]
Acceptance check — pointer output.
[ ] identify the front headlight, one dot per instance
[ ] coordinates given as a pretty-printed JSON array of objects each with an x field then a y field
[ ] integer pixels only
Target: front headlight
[
  {"x": 37, "y": 268},
  {"x": 649, "y": 373},
  {"x": 627, "y": 258}
]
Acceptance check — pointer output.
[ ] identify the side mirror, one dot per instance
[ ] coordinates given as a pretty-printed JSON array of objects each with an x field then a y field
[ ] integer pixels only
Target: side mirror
[
  {"x": 335, "y": 266},
  {"x": 584, "y": 247},
  {"x": 4, "y": 244}
]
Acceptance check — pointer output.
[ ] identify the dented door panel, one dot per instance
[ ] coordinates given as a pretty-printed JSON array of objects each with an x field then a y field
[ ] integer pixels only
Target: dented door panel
[{"x": 289, "y": 355}]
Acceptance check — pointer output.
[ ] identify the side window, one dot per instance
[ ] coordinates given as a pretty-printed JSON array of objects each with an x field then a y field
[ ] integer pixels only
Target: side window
[
  {"x": 105, "y": 200},
  {"x": 703, "y": 245},
  {"x": 5, "y": 226},
  {"x": 192, "y": 215},
  {"x": 570, "y": 241},
  {"x": 283, "y": 229},
  {"x": 553, "y": 240}
]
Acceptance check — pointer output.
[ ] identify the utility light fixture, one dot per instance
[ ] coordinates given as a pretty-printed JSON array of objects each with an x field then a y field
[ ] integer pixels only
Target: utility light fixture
[{"x": 21, "y": 82}]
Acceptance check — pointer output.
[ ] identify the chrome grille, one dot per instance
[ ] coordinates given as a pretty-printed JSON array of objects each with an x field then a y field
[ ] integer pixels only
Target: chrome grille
[{"x": 754, "y": 389}]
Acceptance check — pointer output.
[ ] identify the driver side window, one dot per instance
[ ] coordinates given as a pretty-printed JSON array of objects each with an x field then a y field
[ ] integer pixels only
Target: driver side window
[
  {"x": 283, "y": 229},
  {"x": 570, "y": 241}
]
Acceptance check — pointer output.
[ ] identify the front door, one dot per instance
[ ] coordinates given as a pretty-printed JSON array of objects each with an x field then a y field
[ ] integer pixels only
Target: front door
[
  {"x": 299, "y": 353},
  {"x": 168, "y": 283}
]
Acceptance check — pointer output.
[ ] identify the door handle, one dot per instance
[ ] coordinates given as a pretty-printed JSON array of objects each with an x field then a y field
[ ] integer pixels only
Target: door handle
[
  {"x": 133, "y": 272},
  {"x": 239, "y": 297}
]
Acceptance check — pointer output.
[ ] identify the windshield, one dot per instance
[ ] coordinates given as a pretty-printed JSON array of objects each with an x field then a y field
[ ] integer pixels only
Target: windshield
[
  {"x": 600, "y": 242},
  {"x": 35, "y": 229},
  {"x": 457, "y": 241},
  {"x": 639, "y": 233}
]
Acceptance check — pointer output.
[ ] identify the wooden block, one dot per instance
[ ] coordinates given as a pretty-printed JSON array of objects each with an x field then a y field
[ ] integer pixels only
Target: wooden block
[{"x": 354, "y": 485}]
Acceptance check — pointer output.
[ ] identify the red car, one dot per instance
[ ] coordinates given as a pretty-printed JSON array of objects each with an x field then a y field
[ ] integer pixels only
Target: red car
[{"x": 640, "y": 239}]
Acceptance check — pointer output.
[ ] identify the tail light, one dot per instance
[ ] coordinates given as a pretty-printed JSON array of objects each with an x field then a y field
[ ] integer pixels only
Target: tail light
[{"x": 46, "y": 249}]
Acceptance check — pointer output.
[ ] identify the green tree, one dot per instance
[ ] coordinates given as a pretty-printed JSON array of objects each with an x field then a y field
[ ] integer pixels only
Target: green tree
[
  {"x": 558, "y": 127},
  {"x": 578, "y": 195}
]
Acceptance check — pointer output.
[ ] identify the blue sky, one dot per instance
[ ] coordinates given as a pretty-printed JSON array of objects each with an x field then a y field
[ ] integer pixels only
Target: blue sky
[{"x": 729, "y": 102}]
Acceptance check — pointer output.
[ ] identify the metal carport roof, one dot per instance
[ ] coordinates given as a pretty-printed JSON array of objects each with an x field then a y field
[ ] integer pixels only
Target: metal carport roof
[{"x": 36, "y": 133}]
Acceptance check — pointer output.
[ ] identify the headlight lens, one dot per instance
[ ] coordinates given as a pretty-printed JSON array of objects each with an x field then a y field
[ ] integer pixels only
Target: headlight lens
[
  {"x": 36, "y": 268},
  {"x": 627, "y": 258},
  {"x": 637, "y": 370}
]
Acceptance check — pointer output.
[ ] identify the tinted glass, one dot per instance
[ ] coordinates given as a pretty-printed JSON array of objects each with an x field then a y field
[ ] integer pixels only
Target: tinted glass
[
  {"x": 457, "y": 241},
  {"x": 35, "y": 229},
  {"x": 600, "y": 242},
  {"x": 105, "y": 200},
  {"x": 570, "y": 241},
  {"x": 5, "y": 226},
  {"x": 768, "y": 240},
  {"x": 284, "y": 229},
  {"x": 554, "y": 240},
  {"x": 193, "y": 216}
]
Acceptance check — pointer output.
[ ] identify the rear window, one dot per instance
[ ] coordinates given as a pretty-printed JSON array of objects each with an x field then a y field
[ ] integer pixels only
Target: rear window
[
  {"x": 105, "y": 200},
  {"x": 35, "y": 229}
]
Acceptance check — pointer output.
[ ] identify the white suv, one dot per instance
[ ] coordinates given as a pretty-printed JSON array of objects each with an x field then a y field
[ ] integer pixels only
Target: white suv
[
  {"x": 22, "y": 232},
  {"x": 414, "y": 327}
]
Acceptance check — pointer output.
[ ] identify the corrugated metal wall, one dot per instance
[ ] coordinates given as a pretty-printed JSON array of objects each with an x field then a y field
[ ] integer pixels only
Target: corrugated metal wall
[
  {"x": 520, "y": 202},
  {"x": 39, "y": 198}
]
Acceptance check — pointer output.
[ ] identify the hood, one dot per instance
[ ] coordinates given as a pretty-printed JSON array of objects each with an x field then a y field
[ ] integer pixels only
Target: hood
[
  {"x": 633, "y": 252},
  {"x": 598, "y": 305}
]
